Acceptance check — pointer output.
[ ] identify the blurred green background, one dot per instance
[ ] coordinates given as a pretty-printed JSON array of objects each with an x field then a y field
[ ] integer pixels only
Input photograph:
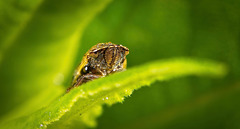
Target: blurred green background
[{"x": 43, "y": 41}]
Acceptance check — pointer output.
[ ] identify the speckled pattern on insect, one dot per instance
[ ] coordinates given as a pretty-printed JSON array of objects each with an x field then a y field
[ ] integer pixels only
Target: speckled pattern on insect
[{"x": 101, "y": 60}]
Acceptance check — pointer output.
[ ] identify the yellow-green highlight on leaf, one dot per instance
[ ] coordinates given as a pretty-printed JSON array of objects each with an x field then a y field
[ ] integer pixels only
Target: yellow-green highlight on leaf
[{"x": 84, "y": 102}]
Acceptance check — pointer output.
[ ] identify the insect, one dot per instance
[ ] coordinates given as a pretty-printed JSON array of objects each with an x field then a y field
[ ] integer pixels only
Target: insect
[{"x": 101, "y": 60}]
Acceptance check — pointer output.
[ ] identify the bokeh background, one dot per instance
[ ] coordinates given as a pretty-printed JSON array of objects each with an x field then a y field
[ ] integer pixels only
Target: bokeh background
[{"x": 38, "y": 58}]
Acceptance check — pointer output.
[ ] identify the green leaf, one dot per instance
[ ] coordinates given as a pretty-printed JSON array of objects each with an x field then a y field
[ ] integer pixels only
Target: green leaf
[
  {"x": 159, "y": 29},
  {"x": 38, "y": 43},
  {"x": 84, "y": 102}
]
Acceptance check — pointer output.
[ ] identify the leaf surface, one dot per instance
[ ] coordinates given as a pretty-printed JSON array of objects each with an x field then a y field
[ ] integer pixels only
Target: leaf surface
[
  {"x": 38, "y": 44},
  {"x": 84, "y": 102}
]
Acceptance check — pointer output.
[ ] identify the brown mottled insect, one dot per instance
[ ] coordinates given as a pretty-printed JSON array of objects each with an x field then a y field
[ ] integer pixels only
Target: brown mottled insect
[{"x": 101, "y": 60}]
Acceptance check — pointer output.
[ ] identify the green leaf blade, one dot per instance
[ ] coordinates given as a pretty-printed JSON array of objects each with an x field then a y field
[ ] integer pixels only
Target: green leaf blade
[
  {"x": 37, "y": 50},
  {"x": 86, "y": 100}
]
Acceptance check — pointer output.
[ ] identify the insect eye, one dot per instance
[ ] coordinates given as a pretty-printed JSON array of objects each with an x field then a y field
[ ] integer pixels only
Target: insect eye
[{"x": 85, "y": 69}]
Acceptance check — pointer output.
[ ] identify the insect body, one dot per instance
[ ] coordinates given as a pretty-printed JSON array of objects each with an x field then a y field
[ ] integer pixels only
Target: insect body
[{"x": 101, "y": 60}]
